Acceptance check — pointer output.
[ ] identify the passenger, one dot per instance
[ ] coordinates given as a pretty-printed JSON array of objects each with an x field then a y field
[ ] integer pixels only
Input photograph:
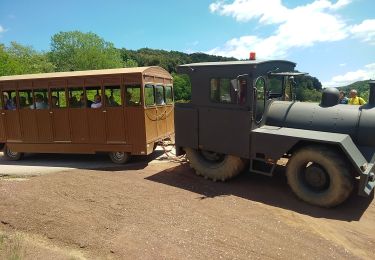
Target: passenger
[
  {"x": 159, "y": 98},
  {"x": 112, "y": 101},
  {"x": 73, "y": 102},
  {"x": 97, "y": 102},
  {"x": 39, "y": 102},
  {"x": 23, "y": 102},
  {"x": 54, "y": 102},
  {"x": 129, "y": 100},
  {"x": 82, "y": 101},
  {"x": 8, "y": 103},
  {"x": 343, "y": 99},
  {"x": 354, "y": 99}
]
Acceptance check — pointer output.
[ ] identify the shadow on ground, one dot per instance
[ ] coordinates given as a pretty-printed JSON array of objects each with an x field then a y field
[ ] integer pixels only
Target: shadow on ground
[
  {"x": 272, "y": 191},
  {"x": 99, "y": 161}
]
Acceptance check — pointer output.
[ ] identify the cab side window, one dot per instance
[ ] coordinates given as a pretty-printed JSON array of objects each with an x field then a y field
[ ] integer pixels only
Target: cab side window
[
  {"x": 224, "y": 90},
  {"x": 26, "y": 99}
]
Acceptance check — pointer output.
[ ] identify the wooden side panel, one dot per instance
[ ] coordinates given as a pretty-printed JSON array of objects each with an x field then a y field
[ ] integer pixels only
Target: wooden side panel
[
  {"x": 29, "y": 126},
  {"x": 151, "y": 123},
  {"x": 96, "y": 124},
  {"x": 2, "y": 126},
  {"x": 12, "y": 125},
  {"x": 135, "y": 127},
  {"x": 115, "y": 122},
  {"x": 44, "y": 126},
  {"x": 60, "y": 125},
  {"x": 161, "y": 122},
  {"x": 78, "y": 125}
]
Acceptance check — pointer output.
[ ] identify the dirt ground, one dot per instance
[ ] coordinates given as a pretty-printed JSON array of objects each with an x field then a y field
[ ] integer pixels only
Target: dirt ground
[{"x": 159, "y": 209}]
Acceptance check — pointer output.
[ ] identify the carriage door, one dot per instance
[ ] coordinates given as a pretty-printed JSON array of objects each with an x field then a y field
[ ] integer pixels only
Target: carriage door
[
  {"x": 2, "y": 115},
  {"x": 42, "y": 115},
  {"x": 10, "y": 115},
  {"x": 60, "y": 115},
  {"x": 96, "y": 114},
  {"x": 114, "y": 115}
]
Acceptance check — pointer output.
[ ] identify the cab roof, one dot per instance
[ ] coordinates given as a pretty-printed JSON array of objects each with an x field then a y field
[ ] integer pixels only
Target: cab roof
[{"x": 226, "y": 63}]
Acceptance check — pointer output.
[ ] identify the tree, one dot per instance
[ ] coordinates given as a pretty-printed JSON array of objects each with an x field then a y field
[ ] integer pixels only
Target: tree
[
  {"x": 76, "y": 50},
  {"x": 19, "y": 59},
  {"x": 182, "y": 87}
]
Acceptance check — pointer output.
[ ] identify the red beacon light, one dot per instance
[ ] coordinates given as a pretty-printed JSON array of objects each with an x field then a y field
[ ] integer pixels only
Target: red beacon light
[{"x": 252, "y": 55}]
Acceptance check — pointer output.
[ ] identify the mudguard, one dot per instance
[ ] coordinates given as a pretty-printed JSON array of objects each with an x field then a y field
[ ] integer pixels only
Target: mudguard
[{"x": 282, "y": 140}]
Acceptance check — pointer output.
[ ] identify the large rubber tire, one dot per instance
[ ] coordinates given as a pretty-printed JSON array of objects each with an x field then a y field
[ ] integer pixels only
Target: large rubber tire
[
  {"x": 226, "y": 169},
  {"x": 9, "y": 155},
  {"x": 119, "y": 157},
  {"x": 339, "y": 181}
]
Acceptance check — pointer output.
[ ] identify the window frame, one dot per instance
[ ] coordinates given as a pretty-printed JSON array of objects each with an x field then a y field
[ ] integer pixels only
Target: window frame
[
  {"x": 172, "y": 94},
  {"x": 231, "y": 94},
  {"x": 133, "y": 85},
  {"x": 146, "y": 85}
]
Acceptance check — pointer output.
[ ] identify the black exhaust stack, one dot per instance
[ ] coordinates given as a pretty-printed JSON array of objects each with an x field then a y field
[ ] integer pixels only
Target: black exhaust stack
[{"x": 371, "y": 98}]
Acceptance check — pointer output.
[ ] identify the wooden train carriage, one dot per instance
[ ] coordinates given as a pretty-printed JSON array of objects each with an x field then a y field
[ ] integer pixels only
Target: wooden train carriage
[{"x": 120, "y": 111}]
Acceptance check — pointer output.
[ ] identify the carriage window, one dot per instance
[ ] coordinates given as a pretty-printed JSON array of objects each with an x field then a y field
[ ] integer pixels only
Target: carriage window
[
  {"x": 159, "y": 95},
  {"x": 133, "y": 95},
  {"x": 40, "y": 99},
  {"x": 76, "y": 98},
  {"x": 168, "y": 95},
  {"x": 223, "y": 91},
  {"x": 26, "y": 99},
  {"x": 10, "y": 100},
  {"x": 113, "y": 96},
  {"x": 149, "y": 95},
  {"x": 94, "y": 97},
  {"x": 58, "y": 98}
]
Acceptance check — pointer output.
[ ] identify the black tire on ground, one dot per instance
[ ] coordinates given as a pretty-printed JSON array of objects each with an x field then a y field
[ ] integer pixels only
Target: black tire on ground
[
  {"x": 224, "y": 169},
  {"x": 119, "y": 157},
  {"x": 9, "y": 155},
  {"x": 320, "y": 176}
]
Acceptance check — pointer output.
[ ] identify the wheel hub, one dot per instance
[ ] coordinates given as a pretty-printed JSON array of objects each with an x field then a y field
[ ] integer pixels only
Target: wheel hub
[
  {"x": 119, "y": 155},
  {"x": 316, "y": 177}
]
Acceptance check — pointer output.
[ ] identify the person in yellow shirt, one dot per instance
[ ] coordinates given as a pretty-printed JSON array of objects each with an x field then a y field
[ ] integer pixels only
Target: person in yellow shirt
[{"x": 354, "y": 99}]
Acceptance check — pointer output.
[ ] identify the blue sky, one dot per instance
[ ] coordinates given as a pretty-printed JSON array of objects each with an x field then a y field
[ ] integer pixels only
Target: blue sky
[{"x": 332, "y": 40}]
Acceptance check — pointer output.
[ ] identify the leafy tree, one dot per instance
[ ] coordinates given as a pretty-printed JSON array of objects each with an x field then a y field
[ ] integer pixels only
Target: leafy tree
[
  {"x": 76, "y": 50},
  {"x": 19, "y": 59},
  {"x": 182, "y": 87}
]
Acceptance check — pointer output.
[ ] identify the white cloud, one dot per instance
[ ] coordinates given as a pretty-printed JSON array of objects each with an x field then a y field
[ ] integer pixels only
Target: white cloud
[
  {"x": 2, "y": 29},
  {"x": 365, "y": 31},
  {"x": 367, "y": 72},
  {"x": 302, "y": 26}
]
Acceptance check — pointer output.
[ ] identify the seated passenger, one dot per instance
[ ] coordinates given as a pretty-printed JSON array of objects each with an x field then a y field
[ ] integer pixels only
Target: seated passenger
[
  {"x": 97, "y": 102},
  {"x": 8, "y": 103},
  {"x": 73, "y": 102},
  {"x": 129, "y": 99},
  {"x": 39, "y": 102},
  {"x": 112, "y": 101},
  {"x": 159, "y": 99},
  {"x": 23, "y": 102},
  {"x": 54, "y": 102}
]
